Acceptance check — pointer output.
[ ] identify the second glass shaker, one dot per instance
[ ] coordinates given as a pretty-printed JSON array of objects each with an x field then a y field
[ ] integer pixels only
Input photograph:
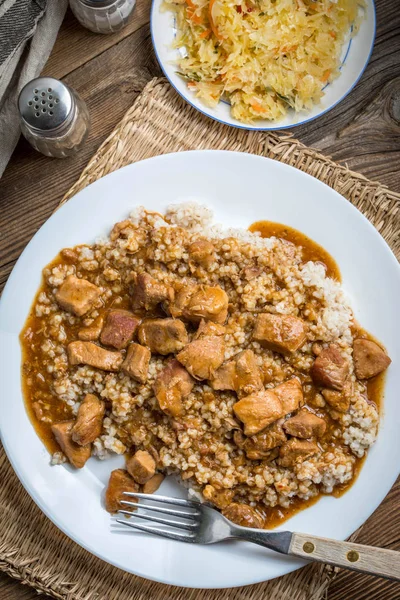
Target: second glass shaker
[{"x": 103, "y": 16}]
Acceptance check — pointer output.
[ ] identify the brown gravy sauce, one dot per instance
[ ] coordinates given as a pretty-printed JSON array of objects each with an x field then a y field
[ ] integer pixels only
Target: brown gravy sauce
[{"x": 311, "y": 250}]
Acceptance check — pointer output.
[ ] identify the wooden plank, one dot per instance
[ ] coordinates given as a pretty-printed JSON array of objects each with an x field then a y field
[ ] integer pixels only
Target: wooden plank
[
  {"x": 363, "y": 131},
  {"x": 11, "y": 589},
  {"x": 109, "y": 72},
  {"x": 76, "y": 46}
]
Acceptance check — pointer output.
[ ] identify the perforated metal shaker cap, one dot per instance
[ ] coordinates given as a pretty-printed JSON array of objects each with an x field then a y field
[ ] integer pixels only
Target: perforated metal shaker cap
[{"x": 46, "y": 104}]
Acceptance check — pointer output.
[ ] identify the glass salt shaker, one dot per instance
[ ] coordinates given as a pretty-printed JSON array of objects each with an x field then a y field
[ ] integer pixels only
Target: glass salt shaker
[
  {"x": 102, "y": 16},
  {"x": 53, "y": 117}
]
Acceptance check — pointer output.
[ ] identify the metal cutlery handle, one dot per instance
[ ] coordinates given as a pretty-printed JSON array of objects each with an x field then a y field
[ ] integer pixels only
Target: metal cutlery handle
[{"x": 366, "y": 559}]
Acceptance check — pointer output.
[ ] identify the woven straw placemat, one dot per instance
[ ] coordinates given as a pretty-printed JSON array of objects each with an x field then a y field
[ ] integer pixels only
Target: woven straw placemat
[{"x": 32, "y": 549}]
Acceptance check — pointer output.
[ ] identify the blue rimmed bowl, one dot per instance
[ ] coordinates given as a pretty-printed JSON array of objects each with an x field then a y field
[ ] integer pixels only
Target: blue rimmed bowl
[{"x": 355, "y": 56}]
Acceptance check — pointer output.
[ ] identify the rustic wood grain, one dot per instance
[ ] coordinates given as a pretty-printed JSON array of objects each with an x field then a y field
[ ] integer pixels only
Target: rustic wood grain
[
  {"x": 382, "y": 562},
  {"x": 363, "y": 131},
  {"x": 109, "y": 72},
  {"x": 11, "y": 589},
  {"x": 76, "y": 46}
]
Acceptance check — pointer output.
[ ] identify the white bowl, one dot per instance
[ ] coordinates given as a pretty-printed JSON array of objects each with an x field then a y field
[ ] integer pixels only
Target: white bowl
[
  {"x": 355, "y": 56},
  {"x": 270, "y": 190}
]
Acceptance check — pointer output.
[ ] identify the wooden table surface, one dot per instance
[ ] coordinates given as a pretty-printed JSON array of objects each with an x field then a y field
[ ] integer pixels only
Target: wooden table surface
[{"x": 109, "y": 72}]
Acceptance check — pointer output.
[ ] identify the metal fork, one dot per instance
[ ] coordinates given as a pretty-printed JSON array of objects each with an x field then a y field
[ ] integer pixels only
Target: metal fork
[{"x": 201, "y": 524}]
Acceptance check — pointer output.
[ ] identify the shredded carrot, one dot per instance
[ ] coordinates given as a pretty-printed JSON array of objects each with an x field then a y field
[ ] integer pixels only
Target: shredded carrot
[
  {"x": 205, "y": 33},
  {"x": 193, "y": 17},
  {"x": 285, "y": 49},
  {"x": 191, "y": 12},
  {"x": 196, "y": 19},
  {"x": 212, "y": 24},
  {"x": 191, "y": 85},
  {"x": 326, "y": 76},
  {"x": 332, "y": 34},
  {"x": 257, "y": 107}
]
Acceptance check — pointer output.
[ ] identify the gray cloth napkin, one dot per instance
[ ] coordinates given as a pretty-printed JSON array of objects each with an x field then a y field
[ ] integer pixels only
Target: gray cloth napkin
[{"x": 28, "y": 29}]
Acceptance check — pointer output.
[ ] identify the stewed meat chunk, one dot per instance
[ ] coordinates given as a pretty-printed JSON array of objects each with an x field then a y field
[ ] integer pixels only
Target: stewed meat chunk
[
  {"x": 141, "y": 466},
  {"x": 153, "y": 483},
  {"x": 225, "y": 377},
  {"x": 202, "y": 252},
  {"x": 77, "y": 455},
  {"x": 290, "y": 393},
  {"x": 172, "y": 386},
  {"x": 89, "y": 420},
  {"x": 136, "y": 363},
  {"x": 91, "y": 333},
  {"x": 369, "y": 359},
  {"x": 243, "y": 514},
  {"x": 280, "y": 333},
  {"x": 197, "y": 302},
  {"x": 305, "y": 425},
  {"x": 207, "y": 328},
  {"x": 339, "y": 401},
  {"x": 77, "y": 295},
  {"x": 248, "y": 374},
  {"x": 120, "y": 481},
  {"x": 295, "y": 451},
  {"x": 148, "y": 292},
  {"x": 203, "y": 357},
  {"x": 163, "y": 336},
  {"x": 330, "y": 369},
  {"x": 259, "y": 446},
  {"x": 259, "y": 410},
  {"x": 240, "y": 374},
  {"x": 88, "y": 353},
  {"x": 222, "y": 498},
  {"x": 119, "y": 328}
]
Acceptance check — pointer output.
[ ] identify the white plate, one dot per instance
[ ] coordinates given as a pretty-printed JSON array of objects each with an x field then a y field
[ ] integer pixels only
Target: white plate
[
  {"x": 355, "y": 56},
  {"x": 241, "y": 189}
]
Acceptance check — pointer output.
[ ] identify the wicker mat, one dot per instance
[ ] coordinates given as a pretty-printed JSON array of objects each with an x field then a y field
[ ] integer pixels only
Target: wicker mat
[{"x": 32, "y": 549}]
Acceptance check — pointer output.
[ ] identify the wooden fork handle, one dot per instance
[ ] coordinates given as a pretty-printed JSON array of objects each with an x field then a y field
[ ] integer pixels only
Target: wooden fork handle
[{"x": 367, "y": 559}]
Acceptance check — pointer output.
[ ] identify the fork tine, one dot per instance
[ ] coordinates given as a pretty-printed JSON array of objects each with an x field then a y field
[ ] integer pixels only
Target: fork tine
[
  {"x": 182, "y": 537},
  {"x": 167, "y": 511},
  {"x": 189, "y": 526},
  {"x": 164, "y": 499}
]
